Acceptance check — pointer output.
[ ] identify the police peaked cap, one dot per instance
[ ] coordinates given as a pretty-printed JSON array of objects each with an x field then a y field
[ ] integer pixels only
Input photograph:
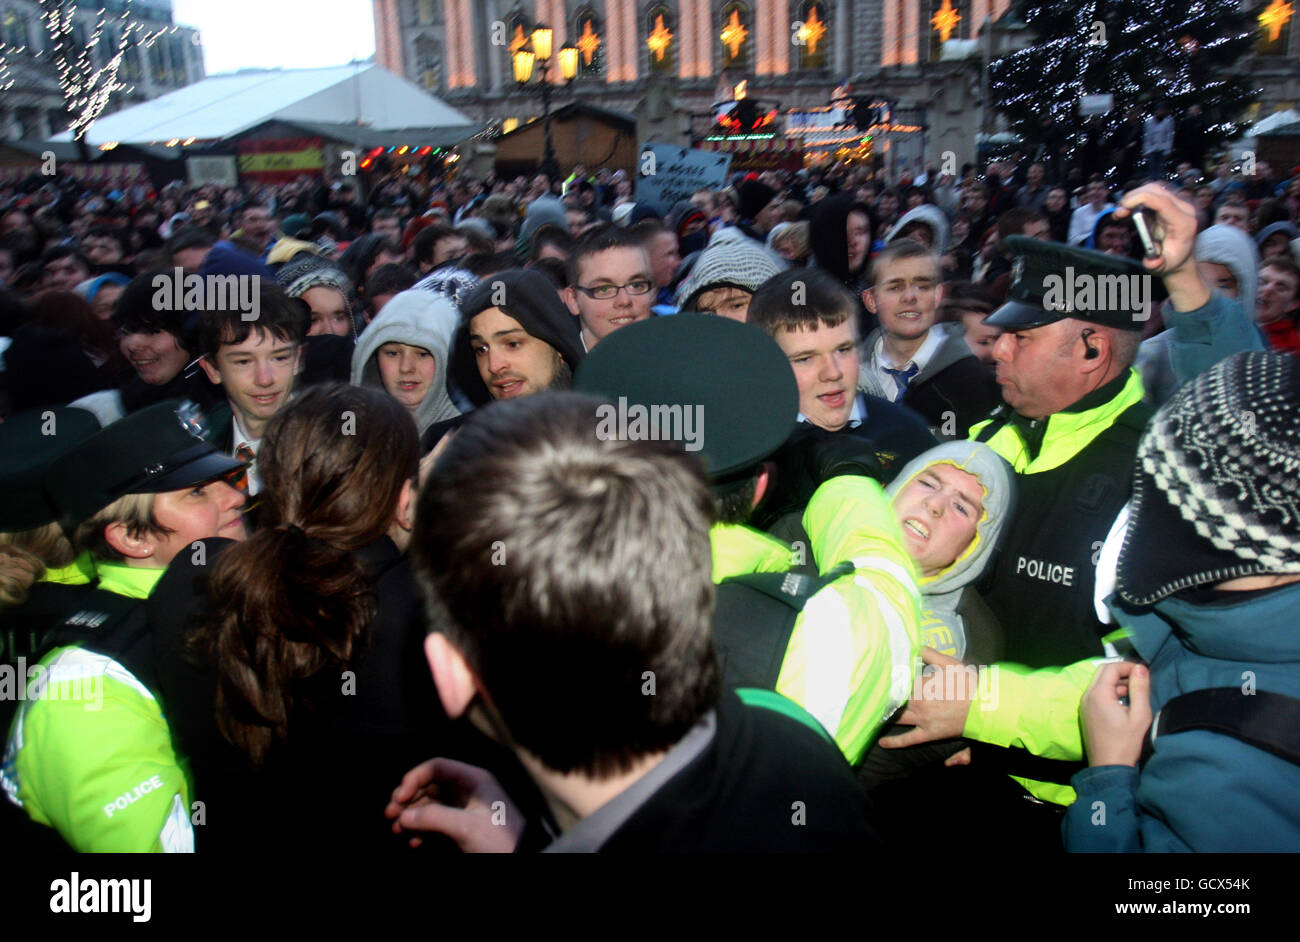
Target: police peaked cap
[
  {"x": 1044, "y": 279},
  {"x": 146, "y": 452},
  {"x": 734, "y": 371}
]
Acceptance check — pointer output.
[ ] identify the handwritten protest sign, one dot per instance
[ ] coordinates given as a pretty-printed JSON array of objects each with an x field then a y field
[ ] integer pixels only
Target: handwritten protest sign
[{"x": 666, "y": 174}]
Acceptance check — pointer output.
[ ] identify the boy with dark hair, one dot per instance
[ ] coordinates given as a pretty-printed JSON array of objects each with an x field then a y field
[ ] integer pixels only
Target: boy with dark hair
[
  {"x": 1276, "y": 303},
  {"x": 63, "y": 267},
  {"x": 688, "y": 769},
  {"x": 437, "y": 244},
  {"x": 610, "y": 284},
  {"x": 912, "y": 360},
  {"x": 550, "y": 242},
  {"x": 255, "y": 362},
  {"x": 812, "y": 317}
]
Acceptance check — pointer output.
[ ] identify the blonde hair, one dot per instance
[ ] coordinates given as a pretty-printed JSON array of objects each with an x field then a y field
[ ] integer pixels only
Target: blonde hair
[
  {"x": 135, "y": 511},
  {"x": 25, "y": 555}
]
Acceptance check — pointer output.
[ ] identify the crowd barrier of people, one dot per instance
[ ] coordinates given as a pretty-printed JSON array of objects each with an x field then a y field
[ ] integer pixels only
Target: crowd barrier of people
[{"x": 515, "y": 515}]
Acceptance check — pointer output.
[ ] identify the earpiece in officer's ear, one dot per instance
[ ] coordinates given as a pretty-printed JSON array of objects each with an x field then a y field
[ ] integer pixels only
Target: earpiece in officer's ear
[{"x": 1093, "y": 352}]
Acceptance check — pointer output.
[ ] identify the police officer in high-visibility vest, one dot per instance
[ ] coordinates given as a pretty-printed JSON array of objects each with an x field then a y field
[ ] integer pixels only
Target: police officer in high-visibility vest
[
  {"x": 90, "y": 755},
  {"x": 1073, "y": 412},
  {"x": 843, "y": 644},
  {"x": 1070, "y": 427}
]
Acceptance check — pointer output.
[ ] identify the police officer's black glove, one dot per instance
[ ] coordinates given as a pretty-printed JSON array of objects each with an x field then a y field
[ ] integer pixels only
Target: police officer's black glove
[{"x": 836, "y": 455}]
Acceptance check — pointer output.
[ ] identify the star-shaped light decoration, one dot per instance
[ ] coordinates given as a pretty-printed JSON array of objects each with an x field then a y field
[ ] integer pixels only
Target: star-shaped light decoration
[
  {"x": 660, "y": 39},
  {"x": 812, "y": 31},
  {"x": 518, "y": 41},
  {"x": 734, "y": 34},
  {"x": 1275, "y": 16},
  {"x": 588, "y": 42},
  {"x": 945, "y": 20}
]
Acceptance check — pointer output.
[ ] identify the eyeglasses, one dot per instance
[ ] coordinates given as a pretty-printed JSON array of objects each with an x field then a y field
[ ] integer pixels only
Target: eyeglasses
[{"x": 609, "y": 292}]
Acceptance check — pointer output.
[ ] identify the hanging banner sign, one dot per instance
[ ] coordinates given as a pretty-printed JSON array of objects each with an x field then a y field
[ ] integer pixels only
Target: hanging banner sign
[{"x": 278, "y": 159}]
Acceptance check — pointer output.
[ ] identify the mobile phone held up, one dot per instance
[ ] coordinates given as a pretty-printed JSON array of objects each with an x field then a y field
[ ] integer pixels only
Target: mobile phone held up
[{"x": 1144, "y": 222}]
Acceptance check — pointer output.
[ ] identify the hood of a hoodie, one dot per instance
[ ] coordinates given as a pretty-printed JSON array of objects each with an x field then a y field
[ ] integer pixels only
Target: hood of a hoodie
[
  {"x": 1091, "y": 243},
  {"x": 1234, "y": 249},
  {"x": 1263, "y": 235},
  {"x": 952, "y": 349},
  {"x": 730, "y": 259},
  {"x": 941, "y": 594},
  {"x": 828, "y": 234},
  {"x": 933, "y": 217},
  {"x": 546, "y": 318},
  {"x": 421, "y": 319},
  {"x": 543, "y": 211}
]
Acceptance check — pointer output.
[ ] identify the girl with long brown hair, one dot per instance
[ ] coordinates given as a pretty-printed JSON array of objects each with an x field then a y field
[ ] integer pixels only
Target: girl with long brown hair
[{"x": 311, "y": 696}]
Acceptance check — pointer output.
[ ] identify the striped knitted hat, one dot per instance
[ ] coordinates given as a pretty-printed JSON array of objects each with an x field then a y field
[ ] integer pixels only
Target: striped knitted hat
[{"x": 1216, "y": 490}]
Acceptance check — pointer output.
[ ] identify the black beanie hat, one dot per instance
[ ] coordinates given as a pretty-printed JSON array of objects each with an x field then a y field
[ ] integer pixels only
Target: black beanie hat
[{"x": 754, "y": 197}]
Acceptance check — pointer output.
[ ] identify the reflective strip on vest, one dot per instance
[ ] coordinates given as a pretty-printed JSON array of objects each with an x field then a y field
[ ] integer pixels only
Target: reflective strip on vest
[
  {"x": 829, "y": 656},
  {"x": 177, "y": 835}
]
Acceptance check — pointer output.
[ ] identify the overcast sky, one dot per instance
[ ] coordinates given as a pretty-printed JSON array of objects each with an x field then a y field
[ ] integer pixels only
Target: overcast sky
[{"x": 298, "y": 34}]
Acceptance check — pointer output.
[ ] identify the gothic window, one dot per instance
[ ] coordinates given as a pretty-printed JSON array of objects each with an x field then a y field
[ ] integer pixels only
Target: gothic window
[
  {"x": 427, "y": 65},
  {"x": 590, "y": 42},
  {"x": 661, "y": 39},
  {"x": 735, "y": 35},
  {"x": 1273, "y": 23},
  {"x": 947, "y": 20},
  {"x": 813, "y": 36}
]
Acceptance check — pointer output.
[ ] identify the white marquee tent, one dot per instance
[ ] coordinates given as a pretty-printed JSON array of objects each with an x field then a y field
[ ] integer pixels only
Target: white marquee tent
[{"x": 223, "y": 106}]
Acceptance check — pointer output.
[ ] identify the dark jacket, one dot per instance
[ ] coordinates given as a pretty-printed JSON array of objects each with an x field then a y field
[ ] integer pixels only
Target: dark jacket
[
  {"x": 891, "y": 434},
  {"x": 352, "y": 736},
  {"x": 955, "y": 387},
  {"x": 763, "y": 782}
]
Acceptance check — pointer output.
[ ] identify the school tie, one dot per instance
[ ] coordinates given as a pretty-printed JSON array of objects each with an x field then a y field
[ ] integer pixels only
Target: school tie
[
  {"x": 902, "y": 378},
  {"x": 239, "y": 480}
]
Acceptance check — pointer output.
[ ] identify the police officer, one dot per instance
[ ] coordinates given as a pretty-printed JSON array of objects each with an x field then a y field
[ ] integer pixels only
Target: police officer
[
  {"x": 90, "y": 755},
  {"x": 40, "y": 573},
  {"x": 842, "y": 645},
  {"x": 1072, "y": 415},
  {"x": 1070, "y": 425},
  {"x": 1070, "y": 428}
]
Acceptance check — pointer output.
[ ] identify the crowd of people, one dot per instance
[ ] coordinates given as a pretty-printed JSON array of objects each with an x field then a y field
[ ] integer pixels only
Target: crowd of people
[{"x": 497, "y": 515}]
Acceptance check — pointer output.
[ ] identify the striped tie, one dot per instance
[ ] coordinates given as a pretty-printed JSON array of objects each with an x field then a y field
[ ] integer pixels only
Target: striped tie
[
  {"x": 902, "y": 378},
  {"x": 239, "y": 479}
]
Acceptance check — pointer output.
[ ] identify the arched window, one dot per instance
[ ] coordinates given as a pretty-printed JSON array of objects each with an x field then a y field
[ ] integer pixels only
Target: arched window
[
  {"x": 428, "y": 64},
  {"x": 661, "y": 39},
  {"x": 518, "y": 29},
  {"x": 813, "y": 35},
  {"x": 948, "y": 19},
  {"x": 736, "y": 36},
  {"x": 1273, "y": 22},
  {"x": 588, "y": 36}
]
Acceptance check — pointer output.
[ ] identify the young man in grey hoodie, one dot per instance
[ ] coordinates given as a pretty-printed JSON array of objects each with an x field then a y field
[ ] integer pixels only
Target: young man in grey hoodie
[
  {"x": 404, "y": 351},
  {"x": 952, "y": 503}
]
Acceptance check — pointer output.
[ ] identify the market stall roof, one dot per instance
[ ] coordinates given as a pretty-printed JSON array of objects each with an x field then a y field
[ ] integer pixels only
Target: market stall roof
[
  {"x": 223, "y": 106},
  {"x": 374, "y": 137}
]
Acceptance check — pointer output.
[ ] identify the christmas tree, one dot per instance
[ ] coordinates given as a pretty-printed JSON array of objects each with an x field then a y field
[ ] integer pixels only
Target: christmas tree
[{"x": 1142, "y": 53}]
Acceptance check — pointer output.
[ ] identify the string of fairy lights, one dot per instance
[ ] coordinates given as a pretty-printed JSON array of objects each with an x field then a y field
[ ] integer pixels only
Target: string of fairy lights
[{"x": 87, "y": 87}]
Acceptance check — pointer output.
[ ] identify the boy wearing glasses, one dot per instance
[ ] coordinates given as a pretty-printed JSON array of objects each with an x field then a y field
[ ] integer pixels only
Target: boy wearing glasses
[{"x": 609, "y": 283}]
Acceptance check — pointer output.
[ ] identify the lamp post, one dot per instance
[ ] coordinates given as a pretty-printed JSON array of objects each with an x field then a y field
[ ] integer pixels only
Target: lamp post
[{"x": 539, "y": 56}]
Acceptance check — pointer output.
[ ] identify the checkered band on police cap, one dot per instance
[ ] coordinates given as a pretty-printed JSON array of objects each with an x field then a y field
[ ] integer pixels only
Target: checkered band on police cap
[{"x": 1220, "y": 465}]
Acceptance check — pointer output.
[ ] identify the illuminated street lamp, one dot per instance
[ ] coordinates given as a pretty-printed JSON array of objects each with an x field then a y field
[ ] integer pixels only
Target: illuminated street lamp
[{"x": 539, "y": 57}]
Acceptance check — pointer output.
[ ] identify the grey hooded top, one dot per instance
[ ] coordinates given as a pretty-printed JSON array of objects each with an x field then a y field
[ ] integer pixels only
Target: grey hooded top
[
  {"x": 421, "y": 319},
  {"x": 1223, "y": 245},
  {"x": 933, "y": 217},
  {"x": 942, "y": 628}
]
